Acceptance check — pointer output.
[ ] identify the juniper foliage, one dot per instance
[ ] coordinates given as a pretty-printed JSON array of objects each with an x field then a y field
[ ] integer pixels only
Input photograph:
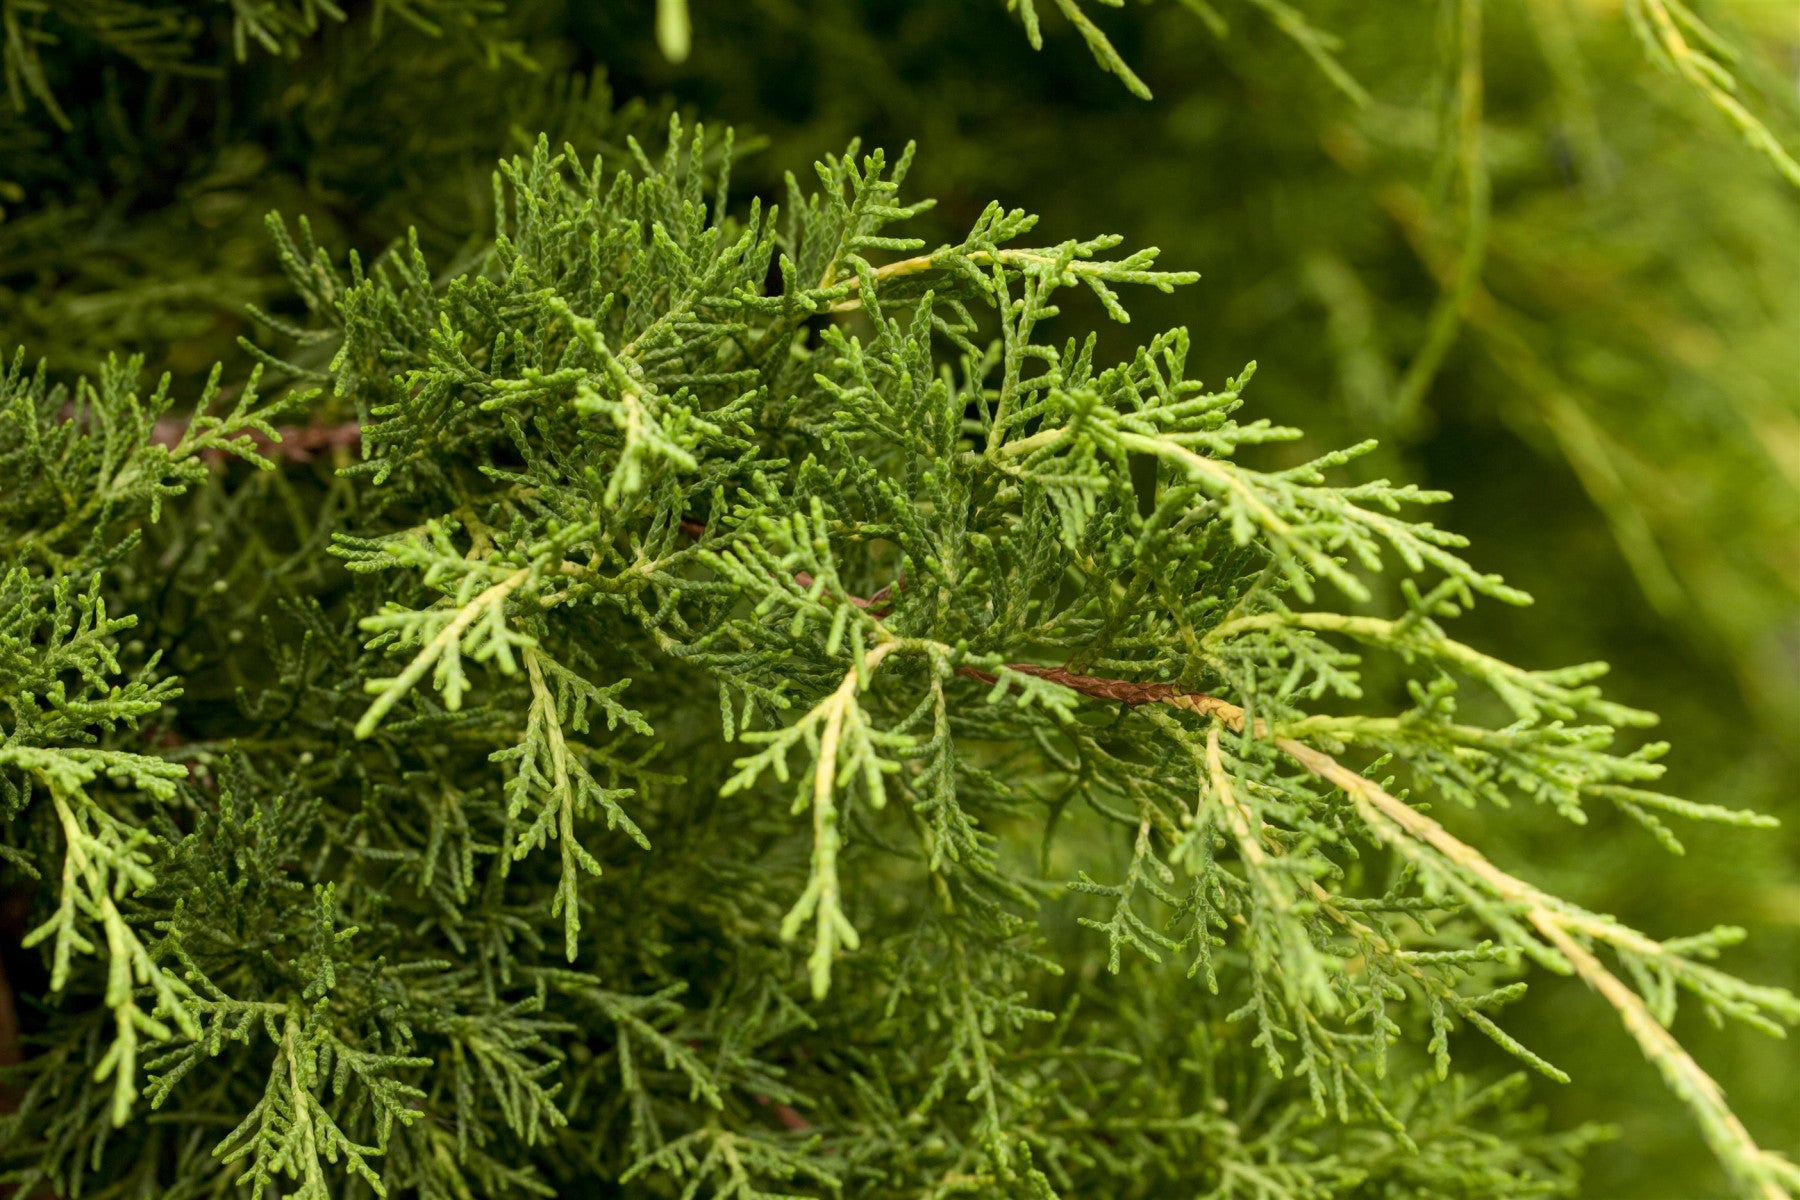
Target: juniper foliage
[
  {"x": 751, "y": 674},
  {"x": 200, "y": 36},
  {"x": 708, "y": 700}
]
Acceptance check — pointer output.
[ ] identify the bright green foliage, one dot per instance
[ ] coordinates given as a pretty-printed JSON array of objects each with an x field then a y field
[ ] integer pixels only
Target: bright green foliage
[
  {"x": 88, "y": 474},
  {"x": 772, "y": 708},
  {"x": 735, "y": 551}
]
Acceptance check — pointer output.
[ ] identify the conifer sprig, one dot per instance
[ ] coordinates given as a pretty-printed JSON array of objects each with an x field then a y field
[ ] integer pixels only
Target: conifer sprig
[
  {"x": 168, "y": 37},
  {"x": 1552, "y": 931},
  {"x": 1674, "y": 37},
  {"x": 91, "y": 470},
  {"x": 804, "y": 510}
]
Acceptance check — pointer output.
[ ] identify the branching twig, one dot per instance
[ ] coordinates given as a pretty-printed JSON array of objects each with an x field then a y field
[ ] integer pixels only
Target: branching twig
[
  {"x": 299, "y": 443},
  {"x": 1565, "y": 928},
  {"x": 1568, "y": 932}
]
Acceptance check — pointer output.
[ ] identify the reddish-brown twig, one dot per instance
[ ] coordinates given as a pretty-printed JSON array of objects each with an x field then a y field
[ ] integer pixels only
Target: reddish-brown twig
[{"x": 299, "y": 443}]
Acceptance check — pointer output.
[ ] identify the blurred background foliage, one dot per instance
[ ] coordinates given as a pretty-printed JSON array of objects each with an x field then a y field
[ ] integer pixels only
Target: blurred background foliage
[{"x": 1524, "y": 243}]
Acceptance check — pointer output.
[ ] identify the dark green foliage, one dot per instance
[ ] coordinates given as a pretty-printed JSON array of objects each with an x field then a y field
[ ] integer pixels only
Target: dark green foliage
[
  {"x": 200, "y": 37},
  {"x": 678, "y": 696}
]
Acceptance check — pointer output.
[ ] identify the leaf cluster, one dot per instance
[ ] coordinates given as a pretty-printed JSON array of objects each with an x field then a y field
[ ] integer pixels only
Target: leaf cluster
[{"x": 714, "y": 730}]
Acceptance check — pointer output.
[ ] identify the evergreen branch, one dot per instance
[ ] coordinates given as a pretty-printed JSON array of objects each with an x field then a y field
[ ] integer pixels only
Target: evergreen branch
[
  {"x": 104, "y": 860},
  {"x": 508, "y": 1052},
  {"x": 92, "y": 460},
  {"x": 1567, "y": 931},
  {"x": 736, "y": 1164},
  {"x": 845, "y": 751},
  {"x": 1064, "y": 269},
  {"x": 1304, "y": 522},
  {"x": 170, "y": 40},
  {"x": 1672, "y": 35},
  {"x": 288, "y": 443},
  {"x": 289, "y": 1133},
  {"x": 566, "y": 792},
  {"x": 1676, "y": 39},
  {"x": 643, "y": 437},
  {"x": 1530, "y": 695},
  {"x": 1317, "y": 45},
  {"x": 1447, "y": 313},
  {"x": 477, "y": 627}
]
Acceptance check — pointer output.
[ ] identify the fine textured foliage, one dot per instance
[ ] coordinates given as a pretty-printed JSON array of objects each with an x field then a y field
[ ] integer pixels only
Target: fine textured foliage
[
  {"x": 1675, "y": 37},
  {"x": 191, "y": 36},
  {"x": 767, "y": 712}
]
